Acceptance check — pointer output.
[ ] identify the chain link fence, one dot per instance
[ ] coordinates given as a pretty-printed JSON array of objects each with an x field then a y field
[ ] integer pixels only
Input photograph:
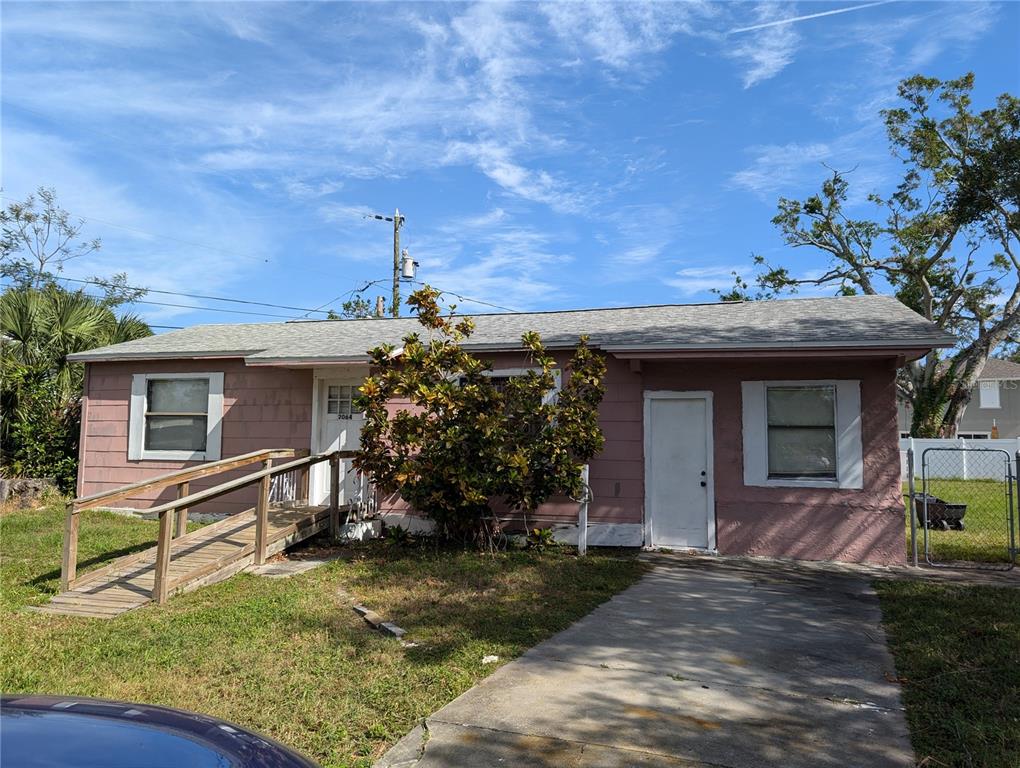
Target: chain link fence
[{"x": 963, "y": 507}]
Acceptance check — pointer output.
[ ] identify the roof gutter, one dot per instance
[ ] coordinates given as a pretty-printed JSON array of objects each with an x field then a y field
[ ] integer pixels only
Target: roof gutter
[
  {"x": 912, "y": 348},
  {"x": 120, "y": 357}
]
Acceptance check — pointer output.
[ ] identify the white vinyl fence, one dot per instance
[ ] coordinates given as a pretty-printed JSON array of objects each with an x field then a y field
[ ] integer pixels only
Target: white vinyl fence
[{"x": 955, "y": 464}]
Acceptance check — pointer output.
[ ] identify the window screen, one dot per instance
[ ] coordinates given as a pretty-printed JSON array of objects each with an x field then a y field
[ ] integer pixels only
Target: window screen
[
  {"x": 801, "y": 432},
  {"x": 176, "y": 414}
]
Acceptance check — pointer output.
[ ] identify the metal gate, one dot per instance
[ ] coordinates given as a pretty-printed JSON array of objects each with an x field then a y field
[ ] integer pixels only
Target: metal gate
[{"x": 964, "y": 514}]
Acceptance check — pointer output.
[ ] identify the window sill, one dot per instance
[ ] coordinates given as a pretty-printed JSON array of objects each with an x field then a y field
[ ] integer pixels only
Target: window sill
[
  {"x": 795, "y": 483},
  {"x": 172, "y": 456}
]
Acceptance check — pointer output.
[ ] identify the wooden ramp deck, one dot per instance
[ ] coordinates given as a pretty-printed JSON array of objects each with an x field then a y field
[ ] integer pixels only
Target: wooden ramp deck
[{"x": 212, "y": 553}]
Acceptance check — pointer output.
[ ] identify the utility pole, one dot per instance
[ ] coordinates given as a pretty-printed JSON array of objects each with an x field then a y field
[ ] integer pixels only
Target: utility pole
[{"x": 397, "y": 221}]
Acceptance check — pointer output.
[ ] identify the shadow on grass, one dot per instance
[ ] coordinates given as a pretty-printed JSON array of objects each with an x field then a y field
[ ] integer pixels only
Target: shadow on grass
[
  {"x": 85, "y": 565},
  {"x": 957, "y": 651}
]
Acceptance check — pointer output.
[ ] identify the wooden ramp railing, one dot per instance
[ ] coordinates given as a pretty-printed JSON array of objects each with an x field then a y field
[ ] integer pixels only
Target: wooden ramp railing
[{"x": 173, "y": 517}]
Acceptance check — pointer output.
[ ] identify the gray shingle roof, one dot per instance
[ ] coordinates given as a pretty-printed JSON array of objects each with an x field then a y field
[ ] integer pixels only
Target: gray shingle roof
[
  {"x": 1000, "y": 369},
  {"x": 854, "y": 321}
]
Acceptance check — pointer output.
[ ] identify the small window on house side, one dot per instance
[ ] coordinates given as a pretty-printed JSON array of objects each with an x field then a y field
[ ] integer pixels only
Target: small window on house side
[
  {"x": 176, "y": 414},
  {"x": 988, "y": 394},
  {"x": 973, "y": 435},
  {"x": 801, "y": 432}
]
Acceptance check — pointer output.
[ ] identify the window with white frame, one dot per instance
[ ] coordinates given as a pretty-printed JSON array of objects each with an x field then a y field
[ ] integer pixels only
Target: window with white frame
[
  {"x": 340, "y": 400},
  {"x": 988, "y": 394},
  {"x": 802, "y": 433},
  {"x": 974, "y": 435},
  {"x": 175, "y": 416}
]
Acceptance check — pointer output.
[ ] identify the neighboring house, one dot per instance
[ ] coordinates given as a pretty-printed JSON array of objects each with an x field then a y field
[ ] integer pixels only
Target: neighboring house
[
  {"x": 994, "y": 407},
  {"x": 758, "y": 428}
]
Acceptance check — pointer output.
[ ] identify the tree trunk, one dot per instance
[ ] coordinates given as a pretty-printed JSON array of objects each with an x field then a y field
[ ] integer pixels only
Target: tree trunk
[{"x": 940, "y": 395}]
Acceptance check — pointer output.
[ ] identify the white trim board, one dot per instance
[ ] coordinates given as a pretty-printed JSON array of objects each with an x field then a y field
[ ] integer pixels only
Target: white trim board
[{"x": 602, "y": 534}]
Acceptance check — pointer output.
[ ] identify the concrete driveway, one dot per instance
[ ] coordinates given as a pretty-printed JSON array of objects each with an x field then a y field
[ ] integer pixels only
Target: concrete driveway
[{"x": 702, "y": 662}]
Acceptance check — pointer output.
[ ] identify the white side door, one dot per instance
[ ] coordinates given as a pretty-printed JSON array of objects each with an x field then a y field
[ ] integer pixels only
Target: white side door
[
  {"x": 339, "y": 430},
  {"x": 679, "y": 499}
]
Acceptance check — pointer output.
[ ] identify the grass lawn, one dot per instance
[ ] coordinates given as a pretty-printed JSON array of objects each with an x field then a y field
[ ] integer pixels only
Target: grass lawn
[
  {"x": 957, "y": 651},
  {"x": 289, "y": 657},
  {"x": 985, "y": 537}
]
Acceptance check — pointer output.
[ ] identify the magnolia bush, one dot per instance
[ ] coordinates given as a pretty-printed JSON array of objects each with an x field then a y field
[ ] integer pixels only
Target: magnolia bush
[{"x": 440, "y": 433}]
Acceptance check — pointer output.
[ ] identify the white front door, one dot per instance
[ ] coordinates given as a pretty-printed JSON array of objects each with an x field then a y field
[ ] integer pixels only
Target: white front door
[
  {"x": 339, "y": 430},
  {"x": 679, "y": 499}
]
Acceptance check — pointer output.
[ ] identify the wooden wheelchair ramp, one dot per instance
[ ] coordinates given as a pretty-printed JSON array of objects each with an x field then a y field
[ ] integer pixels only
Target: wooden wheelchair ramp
[
  {"x": 213, "y": 552},
  {"x": 210, "y": 554}
]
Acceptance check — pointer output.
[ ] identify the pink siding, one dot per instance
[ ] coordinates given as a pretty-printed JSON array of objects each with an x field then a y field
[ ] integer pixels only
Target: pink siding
[
  {"x": 262, "y": 408},
  {"x": 269, "y": 407},
  {"x": 804, "y": 523},
  {"x": 617, "y": 475}
]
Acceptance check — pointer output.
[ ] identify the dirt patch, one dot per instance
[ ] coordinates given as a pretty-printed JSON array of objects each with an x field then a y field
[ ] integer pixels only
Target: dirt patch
[{"x": 26, "y": 492}]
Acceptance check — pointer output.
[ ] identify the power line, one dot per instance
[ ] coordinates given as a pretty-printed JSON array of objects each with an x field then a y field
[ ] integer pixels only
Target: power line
[
  {"x": 419, "y": 282},
  {"x": 181, "y": 306},
  {"x": 190, "y": 295},
  {"x": 468, "y": 298},
  {"x": 351, "y": 292},
  {"x": 206, "y": 309}
]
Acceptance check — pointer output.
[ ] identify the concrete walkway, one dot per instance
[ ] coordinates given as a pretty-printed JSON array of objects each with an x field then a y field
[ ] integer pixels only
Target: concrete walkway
[{"x": 692, "y": 666}]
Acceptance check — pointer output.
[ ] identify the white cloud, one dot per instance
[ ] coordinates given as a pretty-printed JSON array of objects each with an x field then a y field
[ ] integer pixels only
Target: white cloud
[
  {"x": 474, "y": 88},
  {"x": 497, "y": 162},
  {"x": 693, "y": 280},
  {"x": 643, "y": 235},
  {"x": 169, "y": 248},
  {"x": 911, "y": 43},
  {"x": 489, "y": 256},
  {"x": 778, "y": 167},
  {"x": 622, "y": 35},
  {"x": 765, "y": 52},
  {"x": 794, "y": 169}
]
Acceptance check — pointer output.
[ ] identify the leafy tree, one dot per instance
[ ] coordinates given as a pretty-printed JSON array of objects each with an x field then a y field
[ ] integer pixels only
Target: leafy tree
[
  {"x": 41, "y": 389},
  {"x": 41, "y": 323},
  {"x": 116, "y": 290},
  {"x": 945, "y": 241},
  {"x": 462, "y": 441},
  {"x": 38, "y": 237},
  {"x": 357, "y": 308},
  {"x": 40, "y": 428}
]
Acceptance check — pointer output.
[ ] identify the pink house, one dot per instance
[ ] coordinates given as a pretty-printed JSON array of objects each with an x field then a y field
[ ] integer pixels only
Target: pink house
[{"x": 757, "y": 428}]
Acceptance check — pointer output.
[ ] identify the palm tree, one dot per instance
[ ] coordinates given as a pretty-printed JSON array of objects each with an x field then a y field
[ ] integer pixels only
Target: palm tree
[{"x": 39, "y": 328}]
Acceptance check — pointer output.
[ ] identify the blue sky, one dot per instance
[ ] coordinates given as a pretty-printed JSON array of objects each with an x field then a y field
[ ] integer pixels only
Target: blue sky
[{"x": 545, "y": 156}]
